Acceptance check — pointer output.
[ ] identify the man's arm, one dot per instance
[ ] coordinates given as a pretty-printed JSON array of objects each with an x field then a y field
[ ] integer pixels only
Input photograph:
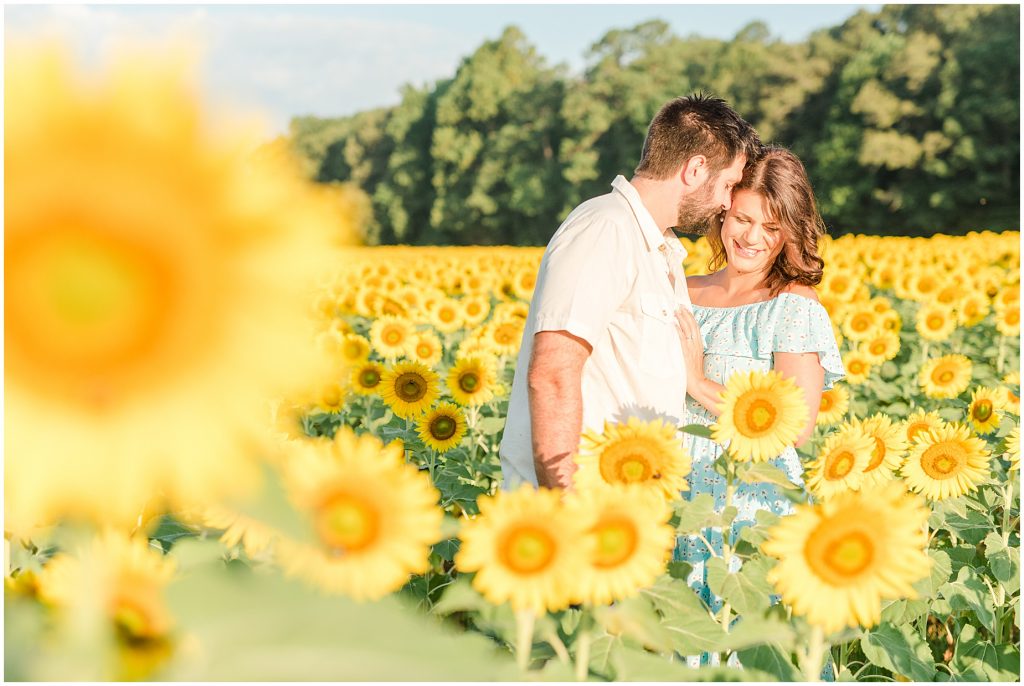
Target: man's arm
[{"x": 556, "y": 404}]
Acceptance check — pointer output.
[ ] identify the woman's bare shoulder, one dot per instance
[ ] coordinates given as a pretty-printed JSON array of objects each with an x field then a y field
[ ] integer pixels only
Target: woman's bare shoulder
[
  {"x": 697, "y": 283},
  {"x": 802, "y": 290}
]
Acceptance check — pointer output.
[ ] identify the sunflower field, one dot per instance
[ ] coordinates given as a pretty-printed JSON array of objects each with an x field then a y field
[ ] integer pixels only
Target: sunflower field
[{"x": 237, "y": 448}]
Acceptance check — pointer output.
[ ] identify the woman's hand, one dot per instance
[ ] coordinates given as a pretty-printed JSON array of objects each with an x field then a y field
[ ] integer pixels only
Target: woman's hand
[{"x": 693, "y": 347}]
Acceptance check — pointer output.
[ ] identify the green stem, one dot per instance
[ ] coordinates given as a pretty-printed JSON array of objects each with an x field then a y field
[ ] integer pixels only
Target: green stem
[
  {"x": 524, "y": 637},
  {"x": 730, "y": 488},
  {"x": 812, "y": 658},
  {"x": 1007, "y": 506},
  {"x": 583, "y": 655},
  {"x": 924, "y": 352},
  {"x": 1002, "y": 353}
]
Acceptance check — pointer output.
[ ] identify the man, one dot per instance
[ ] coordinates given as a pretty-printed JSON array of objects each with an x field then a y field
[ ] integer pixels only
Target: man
[{"x": 600, "y": 341}]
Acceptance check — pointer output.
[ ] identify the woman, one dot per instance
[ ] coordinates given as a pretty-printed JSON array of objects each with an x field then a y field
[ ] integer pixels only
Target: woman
[{"x": 757, "y": 312}]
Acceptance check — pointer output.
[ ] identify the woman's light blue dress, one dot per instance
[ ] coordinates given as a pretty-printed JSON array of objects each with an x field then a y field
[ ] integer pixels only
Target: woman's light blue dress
[{"x": 740, "y": 339}]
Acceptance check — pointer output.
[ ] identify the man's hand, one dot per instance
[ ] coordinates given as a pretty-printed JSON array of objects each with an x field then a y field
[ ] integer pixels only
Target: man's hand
[{"x": 556, "y": 404}]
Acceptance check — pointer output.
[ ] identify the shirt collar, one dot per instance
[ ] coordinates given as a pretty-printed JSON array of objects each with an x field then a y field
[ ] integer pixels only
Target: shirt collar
[{"x": 653, "y": 236}]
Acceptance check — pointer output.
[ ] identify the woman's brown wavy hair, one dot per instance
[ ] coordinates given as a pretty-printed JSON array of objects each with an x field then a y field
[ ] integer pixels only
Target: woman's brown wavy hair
[{"x": 779, "y": 176}]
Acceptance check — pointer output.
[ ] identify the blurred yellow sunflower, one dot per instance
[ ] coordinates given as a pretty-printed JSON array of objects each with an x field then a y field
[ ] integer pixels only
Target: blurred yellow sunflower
[
  {"x": 1010, "y": 392},
  {"x": 505, "y": 335},
  {"x": 373, "y": 515},
  {"x": 838, "y": 560},
  {"x": 475, "y": 309},
  {"x": 409, "y": 388},
  {"x": 841, "y": 461},
  {"x": 884, "y": 345},
  {"x": 1012, "y": 445},
  {"x": 446, "y": 315},
  {"x": 945, "y": 377},
  {"x": 890, "y": 445},
  {"x": 156, "y": 291},
  {"x": 834, "y": 404},
  {"x": 426, "y": 347},
  {"x": 391, "y": 336},
  {"x": 637, "y": 452},
  {"x": 366, "y": 378},
  {"x": 972, "y": 309},
  {"x": 762, "y": 415},
  {"x": 858, "y": 366},
  {"x": 861, "y": 323},
  {"x": 921, "y": 422},
  {"x": 353, "y": 349},
  {"x": 983, "y": 410},
  {"x": 1008, "y": 319},
  {"x": 471, "y": 379},
  {"x": 946, "y": 463},
  {"x": 630, "y": 541},
  {"x": 891, "y": 321},
  {"x": 119, "y": 581},
  {"x": 443, "y": 427},
  {"x": 935, "y": 322},
  {"x": 526, "y": 548}
]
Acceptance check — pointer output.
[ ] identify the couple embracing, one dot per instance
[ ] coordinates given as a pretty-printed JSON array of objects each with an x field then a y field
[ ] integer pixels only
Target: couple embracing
[{"x": 617, "y": 330}]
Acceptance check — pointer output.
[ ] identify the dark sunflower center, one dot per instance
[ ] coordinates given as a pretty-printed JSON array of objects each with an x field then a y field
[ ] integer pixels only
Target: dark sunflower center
[
  {"x": 469, "y": 382},
  {"x": 983, "y": 410},
  {"x": 443, "y": 428},
  {"x": 369, "y": 378},
  {"x": 410, "y": 387}
]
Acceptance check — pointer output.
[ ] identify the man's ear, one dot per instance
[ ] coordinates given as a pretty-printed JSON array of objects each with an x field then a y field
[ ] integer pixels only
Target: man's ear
[{"x": 694, "y": 171}]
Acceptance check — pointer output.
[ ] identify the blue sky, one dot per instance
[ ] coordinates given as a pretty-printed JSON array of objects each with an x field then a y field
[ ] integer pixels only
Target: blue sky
[{"x": 331, "y": 60}]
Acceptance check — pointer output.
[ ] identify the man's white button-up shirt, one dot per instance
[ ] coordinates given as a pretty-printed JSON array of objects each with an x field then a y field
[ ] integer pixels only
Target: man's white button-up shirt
[{"x": 605, "y": 278}]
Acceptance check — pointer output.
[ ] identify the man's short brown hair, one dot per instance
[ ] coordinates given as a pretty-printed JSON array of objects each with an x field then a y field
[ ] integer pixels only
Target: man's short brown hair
[{"x": 695, "y": 125}]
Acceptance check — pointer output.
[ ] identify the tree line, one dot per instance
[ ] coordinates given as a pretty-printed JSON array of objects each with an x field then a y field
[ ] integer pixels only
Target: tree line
[{"x": 907, "y": 120}]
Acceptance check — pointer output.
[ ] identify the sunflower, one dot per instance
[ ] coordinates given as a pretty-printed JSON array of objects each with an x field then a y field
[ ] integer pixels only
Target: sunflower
[
  {"x": 884, "y": 345},
  {"x": 945, "y": 377},
  {"x": 921, "y": 422},
  {"x": 391, "y": 336},
  {"x": 353, "y": 349},
  {"x": 946, "y": 463},
  {"x": 637, "y": 452},
  {"x": 526, "y": 548},
  {"x": 123, "y": 579},
  {"x": 834, "y": 404},
  {"x": 373, "y": 516},
  {"x": 891, "y": 321},
  {"x": 982, "y": 412},
  {"x": 858, "y": 366},
  {"x": 630, "y": 541},
  {"x": 366, "y": 378},
  {"x": 443, "y": 427},
  {"x": 426, "y": 347},
  {"x": 1008, "y": 319},
  {"x": 838, "y": 560},
  {"x": 471, "y": 379},
  {"x": 972, "y": 310},
  {"x": 409, "y": 388},
  {"x": 156, "y": 292},
  {"x": 1012, "y": 445},
  {"x": 446, "y": 315},
  {"x": 890, "y": 445},
  {"x": 841, "y": 462},
  {"x": 475, "y": 309},
  {"x": 935, "y": 322},
  {"x": 330, "y": 397},
  {"x": 524, "y": 282},
  {"x": 1011, "y": 392},
  {"x": 505, "y": 335},
  {"x": 762, "y": 414},
  {"x": 861, "y": 323}
]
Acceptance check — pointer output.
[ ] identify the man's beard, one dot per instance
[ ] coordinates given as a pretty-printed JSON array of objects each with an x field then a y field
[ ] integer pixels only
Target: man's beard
[{"x": 697, "y": 212}]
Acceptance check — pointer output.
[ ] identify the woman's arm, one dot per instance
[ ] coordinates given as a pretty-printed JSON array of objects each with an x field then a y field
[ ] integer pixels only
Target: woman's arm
[
  {"x": 706, "y": 392},
  {"x": 806, "y": 370}
]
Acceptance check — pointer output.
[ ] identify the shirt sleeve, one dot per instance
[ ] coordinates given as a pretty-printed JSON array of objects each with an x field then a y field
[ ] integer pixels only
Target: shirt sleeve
[
  {"x": 587, "y": 273},
  {"x": 803, "y": 326}
]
